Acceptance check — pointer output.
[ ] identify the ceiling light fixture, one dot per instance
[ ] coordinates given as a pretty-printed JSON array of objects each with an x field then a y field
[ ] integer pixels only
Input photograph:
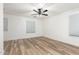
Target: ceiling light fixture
[{"x": 41, "y": 5}]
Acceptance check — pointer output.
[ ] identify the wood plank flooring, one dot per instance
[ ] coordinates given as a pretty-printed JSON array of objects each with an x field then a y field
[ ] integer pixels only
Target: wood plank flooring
[{"x": 38, "y": 46}]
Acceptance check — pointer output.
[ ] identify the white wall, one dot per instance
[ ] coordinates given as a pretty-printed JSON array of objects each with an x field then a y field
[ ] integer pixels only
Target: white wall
[
  {"x": 1, "y": 28},
  {"x": 57, "y": 27},
  {"x": 17, "y": 27}
]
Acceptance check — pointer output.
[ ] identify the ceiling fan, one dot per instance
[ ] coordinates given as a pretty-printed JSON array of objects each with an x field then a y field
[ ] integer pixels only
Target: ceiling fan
[{"x": 40, "y": 11}]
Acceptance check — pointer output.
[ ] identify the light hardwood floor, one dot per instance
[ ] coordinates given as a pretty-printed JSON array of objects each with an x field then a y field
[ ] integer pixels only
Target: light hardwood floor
[{"x": 39, "y": 46}]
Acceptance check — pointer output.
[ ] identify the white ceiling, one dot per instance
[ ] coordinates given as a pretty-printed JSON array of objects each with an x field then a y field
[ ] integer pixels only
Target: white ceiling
[{"x": 26, "y": 9}]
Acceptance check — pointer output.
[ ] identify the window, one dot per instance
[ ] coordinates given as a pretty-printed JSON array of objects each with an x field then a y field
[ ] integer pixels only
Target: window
[
  {"x": 30, "y": 26},
  {"x": 74, "y": 25},
  {"x": 5, "y": 24}
]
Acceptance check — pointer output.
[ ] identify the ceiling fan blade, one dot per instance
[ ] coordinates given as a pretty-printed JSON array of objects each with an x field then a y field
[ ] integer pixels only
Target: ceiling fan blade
[
  {"x": 35, "y": 11},
  {"x": 45, "y": 11},
  {"x": 45, "y": 14},
  {"x": 34, "y": 14}
]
